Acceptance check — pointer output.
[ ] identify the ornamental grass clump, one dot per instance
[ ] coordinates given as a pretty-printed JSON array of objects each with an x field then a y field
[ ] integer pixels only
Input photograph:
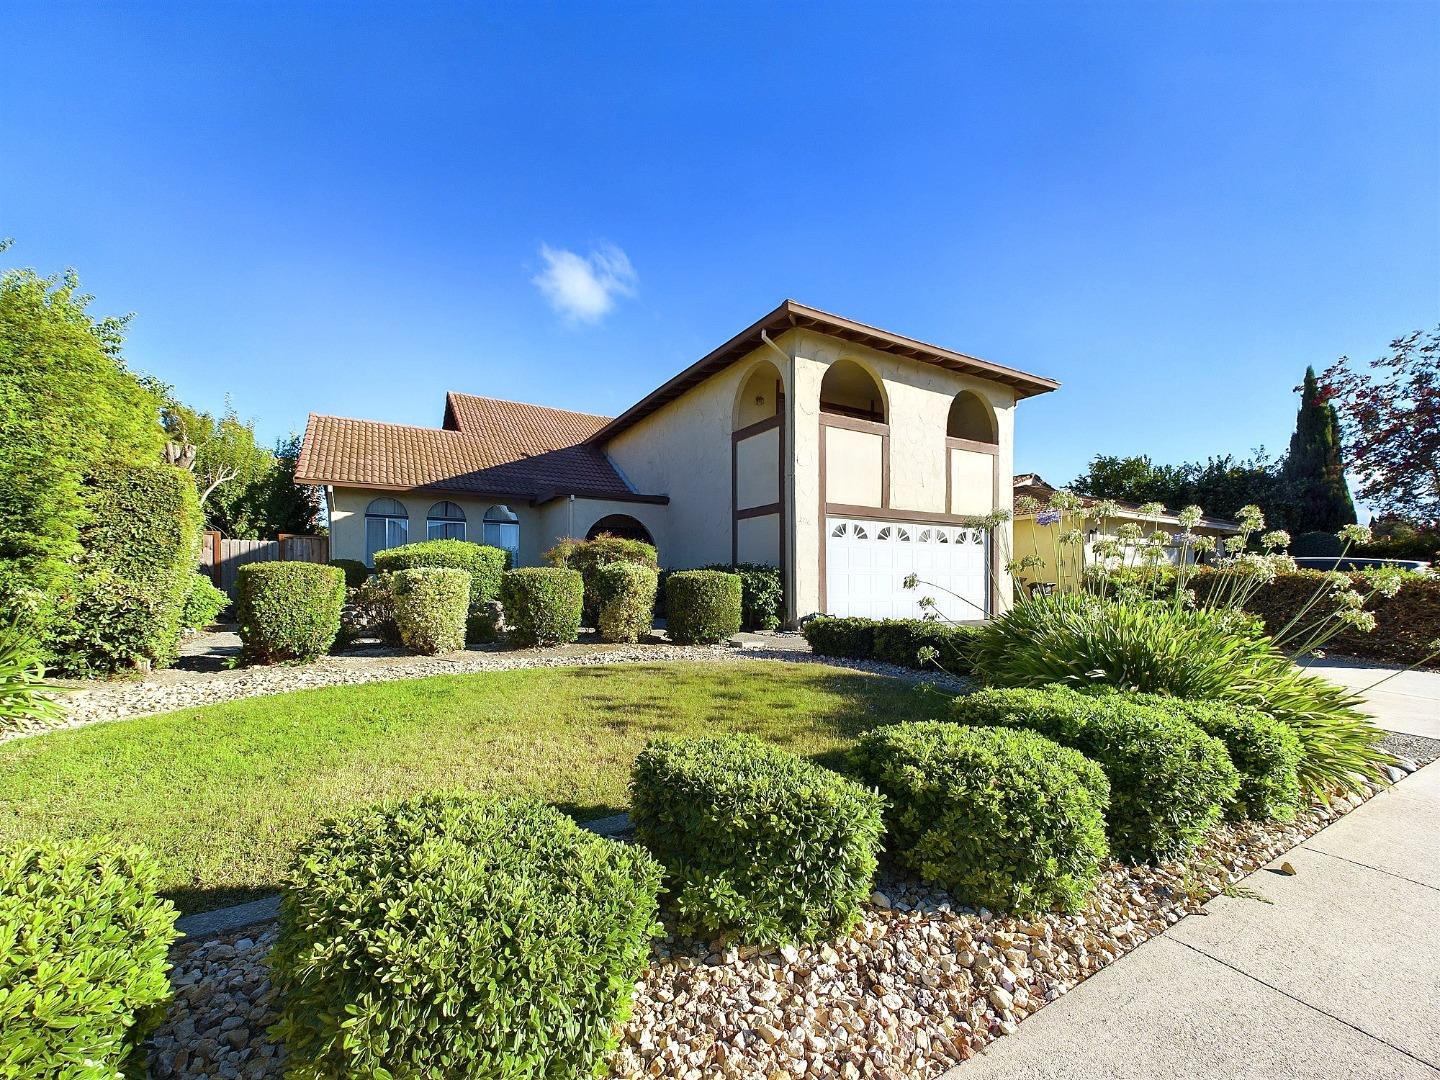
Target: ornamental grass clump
[
  {"x": 625, "y": 593},
  {"x": 1169, "y": 781},
  {"x": 431, "y": 606},
  {"x": 287, "y": 610},
  {"x": 83, "y": 971},
  {"x": 542, "y": 605},
  {"x": 757, "y": 842},
  {"x": 452, "y": 936},
  {"x": 26, "y": 701},
  {"x": 1001, "y": 818}
]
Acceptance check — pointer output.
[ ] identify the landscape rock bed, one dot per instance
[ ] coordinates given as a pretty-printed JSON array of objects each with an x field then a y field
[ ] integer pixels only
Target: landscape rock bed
[
  {"x": 172, "y": 690},
  {"x": 921, "y": 985}
]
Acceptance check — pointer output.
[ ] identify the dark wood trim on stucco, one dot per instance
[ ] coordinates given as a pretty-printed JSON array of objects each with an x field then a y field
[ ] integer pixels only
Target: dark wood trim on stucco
[
  {"x": 926, "y": 517},
  {"x": 758, "y": 511},
  {"x": 737, "y": 515}
]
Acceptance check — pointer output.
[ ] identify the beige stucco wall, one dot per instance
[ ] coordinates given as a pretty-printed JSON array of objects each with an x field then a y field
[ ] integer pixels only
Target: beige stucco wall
[
  {"x": 683, "y": 450},
  {"x": 540, "y": 527},
  {"x": 852, "y": 466},
  {"x": 918, "y": 398},
  {"x": 758, "y": 539},
  {"x": 972, "y": 482},
  {"x": 757, "y": 470}
]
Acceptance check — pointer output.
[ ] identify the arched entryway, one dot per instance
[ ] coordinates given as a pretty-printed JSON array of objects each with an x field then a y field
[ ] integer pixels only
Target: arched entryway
[{"x": 622, "y": 525}]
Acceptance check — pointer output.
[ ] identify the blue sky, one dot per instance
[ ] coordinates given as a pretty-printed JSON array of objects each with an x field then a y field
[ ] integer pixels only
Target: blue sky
[{"x": 351, "y": 208}]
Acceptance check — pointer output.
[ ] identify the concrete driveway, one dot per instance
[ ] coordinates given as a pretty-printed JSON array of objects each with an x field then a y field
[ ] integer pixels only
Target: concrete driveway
[{"x": 1337, "y": 977}]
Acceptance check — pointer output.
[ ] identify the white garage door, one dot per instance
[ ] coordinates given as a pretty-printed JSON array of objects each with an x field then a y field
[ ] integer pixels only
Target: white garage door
[{"x": 866, "y": 563}]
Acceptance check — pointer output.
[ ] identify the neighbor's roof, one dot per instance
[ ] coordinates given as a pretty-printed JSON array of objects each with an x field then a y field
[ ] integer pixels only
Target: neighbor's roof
[
  {"x": 792, "y": 316},
  {"x": 1033, "y": 485},
  {"x": 488, "y": 447}
]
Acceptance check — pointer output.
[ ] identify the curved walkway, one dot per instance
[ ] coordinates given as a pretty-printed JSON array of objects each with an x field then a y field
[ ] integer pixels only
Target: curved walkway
[{"x": 170, "y": 690}]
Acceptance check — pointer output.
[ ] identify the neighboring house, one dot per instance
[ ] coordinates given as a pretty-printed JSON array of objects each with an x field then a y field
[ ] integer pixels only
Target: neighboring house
[
  {"x": 1038, "y": 533},
  {"x": 845, "y": 455}
]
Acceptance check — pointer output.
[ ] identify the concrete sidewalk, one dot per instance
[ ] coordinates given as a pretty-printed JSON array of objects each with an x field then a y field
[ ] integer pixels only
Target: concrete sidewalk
[
  {"x": 1338, "y": 977},
  {"x": 1409, "y": 702}
]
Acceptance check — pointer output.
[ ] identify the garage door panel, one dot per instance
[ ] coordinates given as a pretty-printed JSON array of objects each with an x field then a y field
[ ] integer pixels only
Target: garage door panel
[{"x": 867, "y": 563}]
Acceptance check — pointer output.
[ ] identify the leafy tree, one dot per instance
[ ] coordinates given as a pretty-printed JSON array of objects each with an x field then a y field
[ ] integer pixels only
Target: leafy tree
[
  {"x": 279, "y": 502},
  {"x": 1391, "y": 424},
  {"x": 67, "y": 404},
  {"x": 1319, "y": 498},
  {"x": 1221, "y": 485},
  {"x": 220, "y": 452},
  {"x": 1131, "y": 479}
]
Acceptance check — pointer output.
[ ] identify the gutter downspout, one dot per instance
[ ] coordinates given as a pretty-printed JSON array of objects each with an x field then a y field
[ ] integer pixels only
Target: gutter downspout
[
  {"x": 570, "y": 528},
  {"x": 787, "y": 493}
]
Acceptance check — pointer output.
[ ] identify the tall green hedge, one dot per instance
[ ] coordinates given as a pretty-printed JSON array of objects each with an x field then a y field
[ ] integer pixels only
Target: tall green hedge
[
  {"x": 83, "y": 971},
  {"x": 1406, "y": 625},
  {"x": 142, "y": 539},
  {"x": 483, "y": 563},
  {"x": 450, "y": 936},
  {"x": 756, "y": 839},
  {"x": 287, "y": 610}
]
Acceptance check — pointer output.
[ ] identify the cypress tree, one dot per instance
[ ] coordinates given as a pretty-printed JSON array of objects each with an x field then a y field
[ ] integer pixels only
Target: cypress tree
[{"x": 1320, "y": 498}]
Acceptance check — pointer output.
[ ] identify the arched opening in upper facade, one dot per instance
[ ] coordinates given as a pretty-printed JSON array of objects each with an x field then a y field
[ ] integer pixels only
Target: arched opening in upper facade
[
  {"x": 759, "y": 395},
  {"x": 971, "y": 418},
  {"x": 849, "y": 390}
]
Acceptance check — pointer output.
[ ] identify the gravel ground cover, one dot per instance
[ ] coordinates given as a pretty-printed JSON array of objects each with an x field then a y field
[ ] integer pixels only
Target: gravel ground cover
[
  {"x": 921, "y": 985},
  {"x": 1416, "y": 748},
  {"x": 168, "y": 691}
]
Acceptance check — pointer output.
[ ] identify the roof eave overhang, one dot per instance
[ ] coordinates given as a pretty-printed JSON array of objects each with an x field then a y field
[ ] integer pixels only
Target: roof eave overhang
[
  {"x": 793, "y": 316},
  {"x": 532, "y": 498}
]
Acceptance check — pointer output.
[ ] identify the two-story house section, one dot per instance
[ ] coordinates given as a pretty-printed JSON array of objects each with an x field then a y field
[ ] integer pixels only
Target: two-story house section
[{"x": 847, "y": 456}]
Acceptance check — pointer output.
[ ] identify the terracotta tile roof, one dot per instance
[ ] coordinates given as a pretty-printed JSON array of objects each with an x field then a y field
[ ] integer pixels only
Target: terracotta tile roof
[{"x": 487, "y": 447}]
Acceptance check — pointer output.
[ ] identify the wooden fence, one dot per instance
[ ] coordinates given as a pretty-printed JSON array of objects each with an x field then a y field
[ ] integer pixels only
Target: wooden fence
[{"x": 220, "y": 558}]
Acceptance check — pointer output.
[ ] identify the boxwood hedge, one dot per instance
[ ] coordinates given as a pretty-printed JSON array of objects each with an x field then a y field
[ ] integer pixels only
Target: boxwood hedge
[
  {"x": 455, "y": 936},
  {"x": 483, "y": 563},
  {"x": 702, "y": 606},
  {"x": 542, "y": 605},
  {"x": 1169, "y": 781},
  {"x": 588, "y": 556},
  {"x": 83, "y": 971},
  {"x": 431, "y": 605},
  {"x": 1266, "y": 752},
  {"x": 757, "y": 841},
  {"x": 626, "y": 595},
  {"x": 762, "y": 594},
  {"x": 998, "y": 817},
  {"x": 287, "y": 610},
  {"x": 893, "y": 641}
]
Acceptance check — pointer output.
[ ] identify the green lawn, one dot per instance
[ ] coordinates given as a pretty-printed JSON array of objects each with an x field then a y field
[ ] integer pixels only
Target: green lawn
[{"x": 223, "y": 793}]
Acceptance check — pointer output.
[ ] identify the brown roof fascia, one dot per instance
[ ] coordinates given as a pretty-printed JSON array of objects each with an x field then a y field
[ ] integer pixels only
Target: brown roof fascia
[{"x": 794, "y": 316}]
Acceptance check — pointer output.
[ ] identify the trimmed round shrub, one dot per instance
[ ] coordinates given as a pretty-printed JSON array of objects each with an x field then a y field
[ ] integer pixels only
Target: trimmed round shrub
[
  {"x": 356, "y": 572},
  {"x": 1264, "y": 751},
  {"x": 626, "y": 594},
  {"x": 1169, "y": 781},
  {"x": 203, "y": 604},
  {"x": 588, "y": 556},
  {"x": 542, "y": 605},
  {"x": 431, "y": 605},
  {"x": 483, "y": 563},
  {"x": 1197, "y": 654},
  {"x": 702, "y": 606},
  {"x": 457, "y": 936},
  {"x": 762, "y": 594},
  {"x": 287, "y": 610},
  {"x": 849, "y": 638},
  {"x": 998, "y": 817},
  {"x": 756, "y": 840},
  {"x": 83, "y": 946}
]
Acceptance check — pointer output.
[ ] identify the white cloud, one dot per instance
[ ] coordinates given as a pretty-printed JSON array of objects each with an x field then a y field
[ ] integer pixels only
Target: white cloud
[{"x": 584, "y": 288}]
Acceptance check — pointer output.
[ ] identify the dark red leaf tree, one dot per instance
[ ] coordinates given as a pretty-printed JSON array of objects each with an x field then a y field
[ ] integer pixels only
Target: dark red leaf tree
[{"x": 1390, "y": 420}]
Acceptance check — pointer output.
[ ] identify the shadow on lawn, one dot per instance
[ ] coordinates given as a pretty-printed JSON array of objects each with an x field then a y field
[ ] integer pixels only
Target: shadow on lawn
[{"x": 191, "y": 901}]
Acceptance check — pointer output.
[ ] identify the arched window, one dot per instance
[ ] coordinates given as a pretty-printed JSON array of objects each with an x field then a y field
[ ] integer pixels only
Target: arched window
[
  {"x": 970, "y": 418},
  {"x": 446, "y": 521},
  {"x": 622, "y": 525},
  {"x": 501, "y": 528},
  {"x": 387, "y": 525},
  {"x": 849, "y": 390}
]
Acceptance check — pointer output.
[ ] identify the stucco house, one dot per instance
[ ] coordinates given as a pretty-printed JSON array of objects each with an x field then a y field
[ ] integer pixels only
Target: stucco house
[
  {"x": 1038, "y": 532},
  {"x": 845, "y": 455}
]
